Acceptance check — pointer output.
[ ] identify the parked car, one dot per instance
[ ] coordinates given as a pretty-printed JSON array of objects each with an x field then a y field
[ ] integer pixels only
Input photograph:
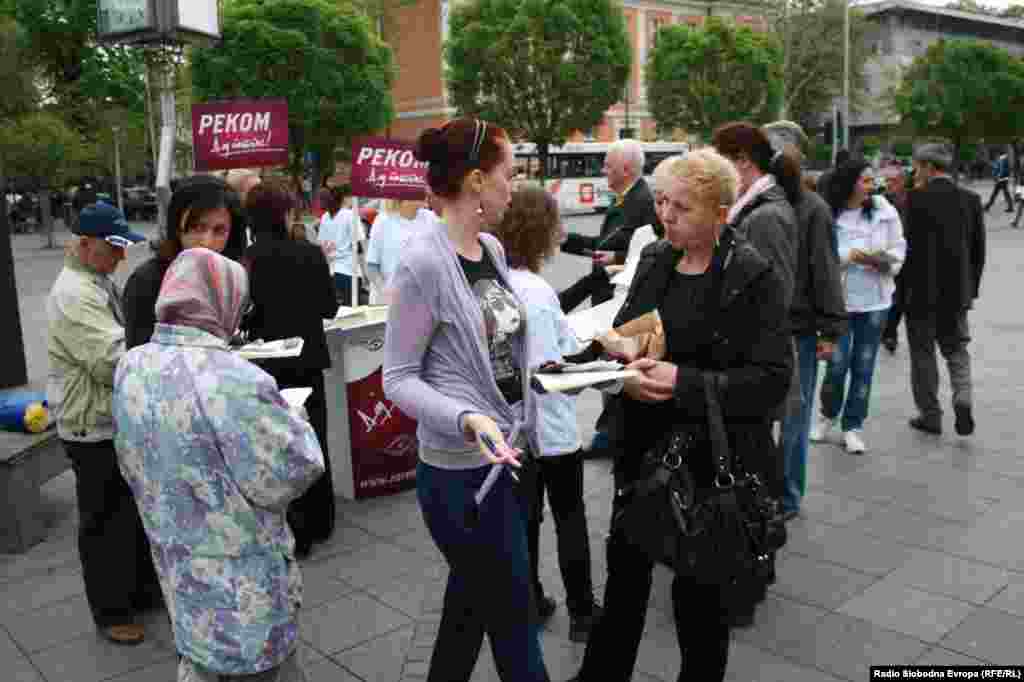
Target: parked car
[{"x": 139, "y": 203}]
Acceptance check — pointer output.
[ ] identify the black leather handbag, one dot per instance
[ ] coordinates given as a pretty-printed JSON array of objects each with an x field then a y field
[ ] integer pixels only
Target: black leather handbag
[{"x": 724, "y": 535}]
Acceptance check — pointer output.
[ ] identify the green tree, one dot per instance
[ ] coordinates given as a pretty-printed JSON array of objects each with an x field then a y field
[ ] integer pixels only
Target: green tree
[
  {"x": 699, "y": 78},
  {"x": 17, "y": 72},
  {"x": 321, "y": 56},
  {"x": 965, "y": 91},
  {"x": 540, "y": 68},
  {"x": 811, "y": 32},
  {"x": 42, "y": 148}
]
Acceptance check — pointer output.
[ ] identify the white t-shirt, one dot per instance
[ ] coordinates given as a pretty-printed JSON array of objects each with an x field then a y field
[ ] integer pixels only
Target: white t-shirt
[
  {"x": 867, "y": 289},
  {"x": 338, "y": 230},
  {"x": 389, "y": 237}
]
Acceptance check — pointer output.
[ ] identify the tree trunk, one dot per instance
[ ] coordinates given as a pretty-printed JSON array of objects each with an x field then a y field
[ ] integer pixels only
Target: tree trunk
[{"x": 46, "y": 216}]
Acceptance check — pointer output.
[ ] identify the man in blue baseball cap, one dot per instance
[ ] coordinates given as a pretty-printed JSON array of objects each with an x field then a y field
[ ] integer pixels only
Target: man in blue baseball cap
[{"x": 86, "y": 341}]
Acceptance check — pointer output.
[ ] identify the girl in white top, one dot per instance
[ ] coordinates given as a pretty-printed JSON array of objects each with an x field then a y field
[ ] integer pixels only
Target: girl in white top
[
  {"x": 869, "y": 237},
  {"x": 335, "y": 238},
  {"x": 391, "y": 231},
  {"x": 531, "y": 231}
]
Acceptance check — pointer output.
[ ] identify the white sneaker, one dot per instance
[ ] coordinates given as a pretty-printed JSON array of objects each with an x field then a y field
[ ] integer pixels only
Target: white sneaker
[
  {"x": 854, "y": 443},
  {"x": 821, "y": 429}
]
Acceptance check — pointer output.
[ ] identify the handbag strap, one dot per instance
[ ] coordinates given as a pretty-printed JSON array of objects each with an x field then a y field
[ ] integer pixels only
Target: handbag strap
[{"x": 720, "y": 452}]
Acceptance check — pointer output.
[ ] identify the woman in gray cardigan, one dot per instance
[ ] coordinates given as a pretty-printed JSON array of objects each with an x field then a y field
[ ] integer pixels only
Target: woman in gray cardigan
[{"x": 455, "y": 360}]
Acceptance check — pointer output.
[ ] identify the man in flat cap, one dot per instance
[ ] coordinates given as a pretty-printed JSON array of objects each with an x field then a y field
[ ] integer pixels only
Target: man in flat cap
[{"x": 941, "y": 277}]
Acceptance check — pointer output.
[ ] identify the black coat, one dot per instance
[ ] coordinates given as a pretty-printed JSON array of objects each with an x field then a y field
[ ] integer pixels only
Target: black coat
[
  {"x": 819, "y": 303},
  {"x": 751, "y": 350},
  {"x": 945, "y": 235},
  {"x": 617, "y": 228},
  {"x": 769, "y": 223},
  {"x": 139, "y": 301},
  {"x": 292, "y": 292}
]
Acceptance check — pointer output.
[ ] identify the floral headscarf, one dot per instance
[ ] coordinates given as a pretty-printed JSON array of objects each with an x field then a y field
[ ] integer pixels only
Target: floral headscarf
[{"x": 203, "y": 289}]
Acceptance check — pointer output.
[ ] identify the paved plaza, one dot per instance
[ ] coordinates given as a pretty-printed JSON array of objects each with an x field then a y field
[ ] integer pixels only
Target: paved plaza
[{"x": 910, "y": 553}]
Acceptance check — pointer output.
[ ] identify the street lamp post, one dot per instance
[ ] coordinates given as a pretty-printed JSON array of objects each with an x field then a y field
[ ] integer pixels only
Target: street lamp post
[{"x": 117, "y": 165}]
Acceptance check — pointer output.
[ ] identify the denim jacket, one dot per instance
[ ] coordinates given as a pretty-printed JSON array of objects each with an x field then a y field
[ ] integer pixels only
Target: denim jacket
[{"x": 213, "y": 455}]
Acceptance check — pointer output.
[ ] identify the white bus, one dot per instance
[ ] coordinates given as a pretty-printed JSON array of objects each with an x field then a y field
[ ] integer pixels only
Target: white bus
[{"x": 575, "y": 171}]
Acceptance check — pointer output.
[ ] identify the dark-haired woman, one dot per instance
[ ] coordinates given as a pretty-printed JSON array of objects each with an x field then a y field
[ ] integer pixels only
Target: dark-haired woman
[
  {"x": 291, "y": 290},
  {"x": 204, "y": 212},
  {"x": 455, "y": 359},
  {"x": 769, "y": 189},
  {"x": 531, "y": 232},
  {"x": 871, "y": 250}
]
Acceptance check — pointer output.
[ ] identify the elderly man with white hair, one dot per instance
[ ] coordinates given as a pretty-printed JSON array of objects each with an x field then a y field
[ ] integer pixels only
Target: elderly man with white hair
[{"x": 633, "y": 207}]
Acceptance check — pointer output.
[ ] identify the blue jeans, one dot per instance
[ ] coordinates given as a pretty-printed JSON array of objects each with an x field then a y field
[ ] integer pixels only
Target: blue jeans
[
  {"x": 796, "y": 428},
  {"x": 489, "y": 576},
  {"x": 856, "y": 355}
]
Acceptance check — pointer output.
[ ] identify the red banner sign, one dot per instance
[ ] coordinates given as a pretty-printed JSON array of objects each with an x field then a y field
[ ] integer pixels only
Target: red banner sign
[
  {"x": 240, "y": 133},
  {"x": 383, "y": 168},
  {"x": 384, "y": 445}
]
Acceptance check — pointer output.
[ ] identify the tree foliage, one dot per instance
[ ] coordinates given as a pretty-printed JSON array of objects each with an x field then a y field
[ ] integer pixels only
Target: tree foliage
[
  {"x": 540, "y": 68},
  {"x": 811, "y": 32},
  {"x": 963, "y": 90},
  {"x": 17, "y": 72},
  {"x": 321, "y": 56},
  {"x": 701, "y": 77}
]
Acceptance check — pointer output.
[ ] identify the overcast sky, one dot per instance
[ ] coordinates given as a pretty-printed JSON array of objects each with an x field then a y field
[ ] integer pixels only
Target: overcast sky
[{"x": 1001, "y": 4}]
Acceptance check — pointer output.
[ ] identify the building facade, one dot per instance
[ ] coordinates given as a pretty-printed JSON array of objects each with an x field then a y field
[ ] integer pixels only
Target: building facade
[
  {"x": 417, "y": 31},
  {"x": 903, "y": 30}
]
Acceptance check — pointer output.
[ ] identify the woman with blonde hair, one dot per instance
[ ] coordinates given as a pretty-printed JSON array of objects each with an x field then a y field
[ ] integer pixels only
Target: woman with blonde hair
[
  {"x": 392, "y": 229},
  {"x": 724, "y": 315}
]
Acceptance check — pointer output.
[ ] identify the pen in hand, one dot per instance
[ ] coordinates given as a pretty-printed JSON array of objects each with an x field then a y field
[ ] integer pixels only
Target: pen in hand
[{"x": 490, "y": 444}]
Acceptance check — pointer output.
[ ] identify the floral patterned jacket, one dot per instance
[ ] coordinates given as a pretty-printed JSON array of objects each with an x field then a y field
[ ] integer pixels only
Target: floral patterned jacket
[{"x": 213, "y": 455}]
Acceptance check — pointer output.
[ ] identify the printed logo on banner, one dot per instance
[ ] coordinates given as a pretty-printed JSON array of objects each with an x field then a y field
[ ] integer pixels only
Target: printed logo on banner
[
  {"x": 375, "y": 344},
  {"x": 241, "y": 133},
  {"x": 384, "y": 445},
  {"x": 383, "y": 168}
]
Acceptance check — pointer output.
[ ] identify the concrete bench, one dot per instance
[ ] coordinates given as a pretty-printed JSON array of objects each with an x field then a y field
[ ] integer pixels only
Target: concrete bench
[{"x": 27, "y": 461}]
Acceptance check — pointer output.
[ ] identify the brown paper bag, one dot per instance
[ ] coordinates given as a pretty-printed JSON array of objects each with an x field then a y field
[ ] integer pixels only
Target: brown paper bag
[{"x": 643, "y": 337}]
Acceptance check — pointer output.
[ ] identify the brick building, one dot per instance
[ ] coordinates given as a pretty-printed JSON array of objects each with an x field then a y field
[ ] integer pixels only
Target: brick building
[{"x": 417, "y": 31}]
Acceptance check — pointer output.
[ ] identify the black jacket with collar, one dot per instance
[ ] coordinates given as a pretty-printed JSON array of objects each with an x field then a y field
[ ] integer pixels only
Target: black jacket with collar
[
  {"x": 751, "y": 351},
  {"x": 945, "y": 235},
  {"x": 769, "y": 223},
  {"x": 819, "y": 301}
]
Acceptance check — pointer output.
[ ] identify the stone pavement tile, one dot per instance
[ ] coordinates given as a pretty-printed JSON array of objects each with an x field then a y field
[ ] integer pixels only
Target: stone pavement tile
[
  {"x": 419, "y": 541},
  {"x": 485, "y": 670},
  {"x": 1011, "y": 597},
  {"x": 321, "y": 584},
  {"x": 349, "y": 621},
  {"x": 164, "y": 671},
  {"x": 873, "y": 486},
  {"x": 894, "y": 606},
  {"x": 750, "y": 664},
  {"x": 780, "y": 622},
  {"x": 848, "y": 547},
  {"x": 832, "y": 509},
  {"x": 658, "y": 655},
  {"x": 951, "y": 576},
  {"x": 816, "y": 582},
  {"x": 345, "y": 538},
  {"x": 52, "y": 624},
  {"x": 846, "y": 647},
  {"x": 985, "y": 541},
  {"x": 41, "y": 589},
  {"x": 894, "y": 523},
  {"x": 562, "y": 657},
  {"x": 91, "y": 658},
  {"x": 15, "y": 665},
  {"x": 382, "y": 658},
  {"x": 329, "y": 671},
  {"x": 398, "y": 514},
  {"x": 990, "y": 635},
  {"x": 379, "y": 562},
  {"x": 940, "y": 656},
  {"x": 58, "y": 551},
  {"x": 407, "y": 594}
]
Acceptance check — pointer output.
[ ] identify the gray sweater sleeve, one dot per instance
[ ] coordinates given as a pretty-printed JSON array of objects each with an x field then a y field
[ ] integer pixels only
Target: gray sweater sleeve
[{"x": 824, "y": 288}]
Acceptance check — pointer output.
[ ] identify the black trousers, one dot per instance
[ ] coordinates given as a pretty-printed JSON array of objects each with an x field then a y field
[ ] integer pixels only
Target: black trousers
[
  {"x": 892, "y": 324},
  {"x": 562, "y": 478},
  {"x": 117, "y": 565},
  {"x": 311, "y": 516},
  {"x": 613, "y": 645},
  {"x": 1003, "y": 186}
]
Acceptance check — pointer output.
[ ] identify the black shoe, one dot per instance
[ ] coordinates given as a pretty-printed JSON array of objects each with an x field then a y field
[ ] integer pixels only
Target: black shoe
[
  {"x": 580, "y": 627},
  {"x": 964, "y": 420},
  {"x": 303, "y": 549},
  {"x": 790, "y": 515},
  {"x": 926, "y": 425},
  {"x": 891, "y": 343},
  {"x": 545, "y": 609},
  {"x": 1009, "y": 210}
]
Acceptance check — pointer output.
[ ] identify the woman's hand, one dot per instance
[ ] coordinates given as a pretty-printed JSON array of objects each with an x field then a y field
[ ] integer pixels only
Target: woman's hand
[
  {"x": 656, "y": 383},
  {"x": 482, "y": 429},
  {"x": 825, "y": 350}
]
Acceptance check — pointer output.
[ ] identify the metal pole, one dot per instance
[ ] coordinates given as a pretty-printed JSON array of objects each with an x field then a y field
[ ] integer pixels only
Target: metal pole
[
  {"x": 168, "y": 131},
  {"x": 117, "y": 166},
  {"x": 846, "y": 74}
]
